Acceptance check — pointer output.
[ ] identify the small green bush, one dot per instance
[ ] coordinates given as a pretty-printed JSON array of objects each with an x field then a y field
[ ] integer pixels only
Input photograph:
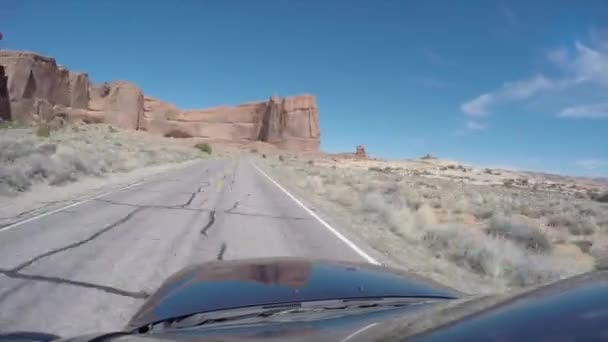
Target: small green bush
[
  {"x": 43, "y": 131},
  {"x": 204, "y": 147},
  {"x": 6, "y": 124},
  {"x": 176, "y": 133}
]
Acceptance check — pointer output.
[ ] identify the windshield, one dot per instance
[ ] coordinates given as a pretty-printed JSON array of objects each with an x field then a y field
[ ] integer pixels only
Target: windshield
[{"x": 164, "y": 159}]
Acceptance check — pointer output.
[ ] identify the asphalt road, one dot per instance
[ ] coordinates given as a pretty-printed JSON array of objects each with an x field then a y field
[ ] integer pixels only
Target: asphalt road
[{"x": 88, "y": 268}]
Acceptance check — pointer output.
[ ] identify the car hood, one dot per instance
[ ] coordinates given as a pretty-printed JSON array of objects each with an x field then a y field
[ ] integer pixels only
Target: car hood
[{"x": 224, "y": 285}]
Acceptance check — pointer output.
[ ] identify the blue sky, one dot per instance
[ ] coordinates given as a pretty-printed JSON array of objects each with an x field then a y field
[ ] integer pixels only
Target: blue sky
[{"x": 499, "y": 83}]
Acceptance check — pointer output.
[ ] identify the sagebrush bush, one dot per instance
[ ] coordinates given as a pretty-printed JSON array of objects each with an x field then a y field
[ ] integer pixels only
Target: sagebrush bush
[
  {"x": 176, "y": 133},
  {"x": 523, "y": 234},
  {"x": 492, "y": 257},
  {"x": 43, "y": 131},
  {"x": 603, "y": 198},
  {"x": 204, "y": 147}
]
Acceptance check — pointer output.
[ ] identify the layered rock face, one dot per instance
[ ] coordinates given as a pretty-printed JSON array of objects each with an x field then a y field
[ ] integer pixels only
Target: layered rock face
[
  {"x": 5, "y": 108},
  {"x": 38, "y": 89}
]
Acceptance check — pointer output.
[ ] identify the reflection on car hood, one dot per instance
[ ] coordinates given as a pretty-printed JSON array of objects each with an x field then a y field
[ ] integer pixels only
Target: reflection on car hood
[{"x": 231, "y": 284}]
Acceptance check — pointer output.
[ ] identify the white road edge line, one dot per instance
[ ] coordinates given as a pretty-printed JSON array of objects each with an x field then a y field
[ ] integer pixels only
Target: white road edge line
[
  {"x": 342, "y": 238},
  {"x": 358, "y": 332},
  {"x": 17, "y": 224}
]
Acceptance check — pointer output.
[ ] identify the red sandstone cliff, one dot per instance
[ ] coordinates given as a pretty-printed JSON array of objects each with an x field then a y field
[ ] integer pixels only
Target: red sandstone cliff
[{"x": 35, "y": 88}]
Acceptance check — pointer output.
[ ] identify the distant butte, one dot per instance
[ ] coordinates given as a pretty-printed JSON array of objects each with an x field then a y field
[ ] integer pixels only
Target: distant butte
[{"x": 34, "y": 88}]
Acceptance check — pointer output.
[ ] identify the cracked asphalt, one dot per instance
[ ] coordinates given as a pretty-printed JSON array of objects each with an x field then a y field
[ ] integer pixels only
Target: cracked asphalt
[{"x": 89, "y": 268}]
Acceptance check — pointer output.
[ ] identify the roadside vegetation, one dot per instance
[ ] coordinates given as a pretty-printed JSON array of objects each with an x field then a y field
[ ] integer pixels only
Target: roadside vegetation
[
  {"x": 57, "y": 156},
  {"x": 475, "y": 238},
  {"x": 204, "y": 147}
]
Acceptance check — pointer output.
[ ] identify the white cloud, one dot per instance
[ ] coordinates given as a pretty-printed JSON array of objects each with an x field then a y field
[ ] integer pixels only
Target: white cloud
[
  {"x": 523, "y": 89},
  {"x": 592, "y": 164},
  {"x": 471, "y": 127},
  {"x": 476, "y": 126},
  {"x": 510, "y": 91},
  {"x": 584, "y": 66},
  {"x": 590, "y": 65},
  {"x": 478, "y": 106},
  {"x": 592, "y": 111}
]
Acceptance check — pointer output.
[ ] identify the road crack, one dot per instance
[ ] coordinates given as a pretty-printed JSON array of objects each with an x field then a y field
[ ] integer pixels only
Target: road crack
[
  {"x": 234, "y": 206},
  {"x": 63, "y": 281},
  {"x": 210, "y": 223},
  {"x": 148, "y": 206},
  {"x": 220, "y": 254},
  {"x": 189, "y": 200},
  {"x": 77, "y": 244}
]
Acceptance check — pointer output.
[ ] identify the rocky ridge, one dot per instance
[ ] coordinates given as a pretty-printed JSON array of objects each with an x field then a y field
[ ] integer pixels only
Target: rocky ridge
[{"x": 35, "y": 88}]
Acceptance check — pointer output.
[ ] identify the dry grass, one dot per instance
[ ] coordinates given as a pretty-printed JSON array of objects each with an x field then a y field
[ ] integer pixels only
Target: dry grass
[
  {"x": 67, "y": 154},
  {"x": 476, "y": 238}
]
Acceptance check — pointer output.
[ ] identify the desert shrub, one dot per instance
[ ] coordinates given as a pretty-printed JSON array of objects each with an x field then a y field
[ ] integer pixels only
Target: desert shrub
[
  {"x": 489, "y": 256},
  {"x": 508, "y": 182},
  {"x": 203, "y": 147},
  {"x": 13, "y": 150},
  {"x": 586, "y": 226},
  {"x": 281, "y": 158},
  {"x": 264, "y": 155},
  {"x": 603, "y": 198},
  {"x": 522, "y": 234},
  {"x": 253, "y": 150},
  {"x": 311, "y": 162},
  {"x": 373, "y": 202},
  {"x": 530, "y": 210},
  {"x": 576, "y": 225},
  {"x": 561, "y": 220},
  {"x": 583, "y": 245},
  {"x": 176, "y": 133},
  {"x": 43, "y": 131},
  {"x": 483, "y": 213}
]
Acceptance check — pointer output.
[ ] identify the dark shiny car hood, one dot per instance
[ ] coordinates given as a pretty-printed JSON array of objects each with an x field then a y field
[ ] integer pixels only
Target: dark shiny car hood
[{"x": 232, "y": 284}]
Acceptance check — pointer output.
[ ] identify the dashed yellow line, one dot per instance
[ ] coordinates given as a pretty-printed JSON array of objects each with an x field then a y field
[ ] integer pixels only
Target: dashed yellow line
[{"x": 220, "y": 183}]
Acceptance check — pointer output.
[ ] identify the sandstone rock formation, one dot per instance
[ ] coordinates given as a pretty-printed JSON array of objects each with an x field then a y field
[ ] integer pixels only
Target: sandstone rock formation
[
  {"x": 38, "y": 89},
  {"x": 360, "y": 152},
  {"x": 5, "y": 108}
]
